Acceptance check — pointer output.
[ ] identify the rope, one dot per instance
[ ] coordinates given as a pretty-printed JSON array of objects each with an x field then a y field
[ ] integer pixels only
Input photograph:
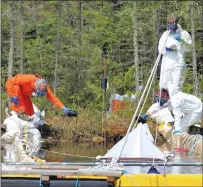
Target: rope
[
  {"x": 113, "y": 165},
  {"x": 40, "y": 181},
  {"x": 185, "y": 139},
  {"x": 193, "y": 141},
  {"x": 67, "y": 154},
  {"x": 198, "y": 139},
  {"x": 77, "y": 184}
]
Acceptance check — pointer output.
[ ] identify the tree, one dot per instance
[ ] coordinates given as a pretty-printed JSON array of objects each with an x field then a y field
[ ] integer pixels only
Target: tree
[
  {"x": 57, "y": 45},
  {"x": 21, "y": 39},
  {"x": 194, "y": 56},
  {"x": 11, "y": 51},
  {"x": 135, "y": 45}
]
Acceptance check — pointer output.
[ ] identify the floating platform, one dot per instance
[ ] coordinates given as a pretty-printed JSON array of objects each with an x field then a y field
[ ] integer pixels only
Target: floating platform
[{"x": 188, "y": 173}]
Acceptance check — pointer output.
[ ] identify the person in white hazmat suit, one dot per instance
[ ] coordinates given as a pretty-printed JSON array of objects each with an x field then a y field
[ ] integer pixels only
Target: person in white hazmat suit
[
  {"x": 20, "y": 132},
  {"x": 173, "y": 64},
  {"x": 186, "y": 108},
  {"x": 160, "y": 113},
  {"x": 160, "y": 103}
]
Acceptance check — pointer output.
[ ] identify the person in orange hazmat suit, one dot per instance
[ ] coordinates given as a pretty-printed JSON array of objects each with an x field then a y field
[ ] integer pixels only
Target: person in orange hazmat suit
[{"x": 21, "y": 87}]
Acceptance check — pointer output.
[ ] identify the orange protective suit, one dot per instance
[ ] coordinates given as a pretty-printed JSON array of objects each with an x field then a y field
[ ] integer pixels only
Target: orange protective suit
[{"x": 22, "y": 86}]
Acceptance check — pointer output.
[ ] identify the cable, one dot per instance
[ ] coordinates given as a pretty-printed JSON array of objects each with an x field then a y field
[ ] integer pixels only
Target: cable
[
  {"x": 77, "y": 184},
  {"x": 40, "y": 181},
  {"x": 67, "y": 154},
  {"x": 198, "y": 139}
]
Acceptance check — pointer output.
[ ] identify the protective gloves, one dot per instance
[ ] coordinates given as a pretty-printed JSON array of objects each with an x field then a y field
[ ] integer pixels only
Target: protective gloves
[
  {"x": 171, "y": 123},
  {"x": 169, "y": 49},
  {"x": 165, "y": 105},
  {"x": 177, "y": 38},
  {"x": 15, "y": 100},
  {"x": 142, "y": 119},
  {"x": 68, "y": 112},
  {"x": 175, "y": 132},
  {"x": 144, "y": 116}
]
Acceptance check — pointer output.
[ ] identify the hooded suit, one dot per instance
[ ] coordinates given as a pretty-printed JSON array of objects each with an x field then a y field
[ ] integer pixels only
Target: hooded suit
[
  {"x": 173, "y": 64},
  {"x": 186, "y": 108}
]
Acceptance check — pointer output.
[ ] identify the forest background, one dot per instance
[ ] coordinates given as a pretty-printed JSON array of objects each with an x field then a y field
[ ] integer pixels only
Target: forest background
[{"x": 74, "y": 44}]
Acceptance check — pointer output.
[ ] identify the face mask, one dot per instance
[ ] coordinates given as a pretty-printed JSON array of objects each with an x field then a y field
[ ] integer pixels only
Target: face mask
[
  {"x": 173, "y": 27},
  {"x": 40, "y": 93},
  {"x": 162, "y": 101},
  {"x": 41, "y": 88}
]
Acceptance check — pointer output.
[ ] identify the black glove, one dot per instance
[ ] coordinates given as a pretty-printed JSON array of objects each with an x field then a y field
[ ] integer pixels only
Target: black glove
[
  {"x": 70, "y": 113},
  {"x": 171, "y": 123},
  {"x": 141, "y": 120}
]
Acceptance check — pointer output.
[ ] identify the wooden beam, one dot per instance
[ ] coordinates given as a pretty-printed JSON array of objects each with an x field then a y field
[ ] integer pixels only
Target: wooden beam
[
  {"x": 55, "y": 172},
  {"x": 47, "y": 166}
]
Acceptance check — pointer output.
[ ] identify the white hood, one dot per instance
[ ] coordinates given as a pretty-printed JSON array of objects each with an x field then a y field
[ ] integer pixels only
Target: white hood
[
  {"x": 179, "y": 28},
  {"x": 172, "y": 90}
]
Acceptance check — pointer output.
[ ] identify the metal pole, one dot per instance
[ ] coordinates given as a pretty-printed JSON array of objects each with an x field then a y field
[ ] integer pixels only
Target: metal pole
[
  {"x": 197, "y": 164},
  {"x": 104, "y": 104},
  {"x": 104, "y": 87}
]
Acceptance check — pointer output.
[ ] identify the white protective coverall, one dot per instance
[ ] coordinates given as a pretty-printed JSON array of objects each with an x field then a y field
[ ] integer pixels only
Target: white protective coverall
[
  {"x": 173, "y": 65},
  {"x": 13, "y": 138},
  {"x": 186, "y": 108}
]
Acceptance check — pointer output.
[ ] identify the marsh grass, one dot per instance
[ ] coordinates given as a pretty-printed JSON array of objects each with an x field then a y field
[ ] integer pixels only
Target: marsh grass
[{"x": 87, "y": 127}]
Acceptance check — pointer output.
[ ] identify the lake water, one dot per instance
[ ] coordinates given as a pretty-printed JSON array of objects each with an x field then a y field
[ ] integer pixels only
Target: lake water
[
  {"x": 81, "y": 152},
  {"x": 69, "y": 152}
]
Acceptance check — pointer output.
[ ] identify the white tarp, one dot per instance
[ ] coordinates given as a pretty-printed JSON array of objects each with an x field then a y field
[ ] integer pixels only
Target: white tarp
[{"x": 138, "y": 145}]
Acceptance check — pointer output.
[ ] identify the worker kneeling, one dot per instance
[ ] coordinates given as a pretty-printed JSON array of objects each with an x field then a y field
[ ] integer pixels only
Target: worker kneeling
[
  {"x": 22, "y": 139},
  {"x": 186, "y": 109},
  {"x": 161, "y": 114}
]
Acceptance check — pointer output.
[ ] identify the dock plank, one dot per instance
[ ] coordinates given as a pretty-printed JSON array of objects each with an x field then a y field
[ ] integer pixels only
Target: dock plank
[{"x": 61, "y": 172}]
